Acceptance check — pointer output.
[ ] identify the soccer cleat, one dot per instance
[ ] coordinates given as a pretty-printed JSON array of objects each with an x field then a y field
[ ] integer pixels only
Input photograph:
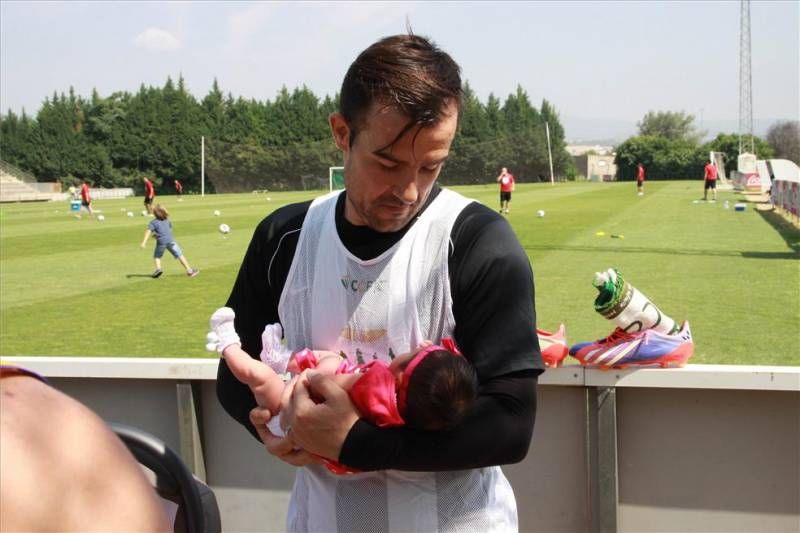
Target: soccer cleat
[
  {"x": 156, "y": 273},
  {"x": 642, "y": 348},
  {"x": 553, "y": 346},
  {"x": 193, "y": 273}
]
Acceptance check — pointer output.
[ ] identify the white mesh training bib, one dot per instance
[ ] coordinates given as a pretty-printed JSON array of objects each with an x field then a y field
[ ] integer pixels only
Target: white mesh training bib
[{"x": 368, "y": 310}]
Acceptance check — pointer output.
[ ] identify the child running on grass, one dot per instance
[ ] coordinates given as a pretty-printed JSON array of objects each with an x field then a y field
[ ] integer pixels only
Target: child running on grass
[
  {"x": 161, "y": 227},
  {"x": 430, "y": 388}
]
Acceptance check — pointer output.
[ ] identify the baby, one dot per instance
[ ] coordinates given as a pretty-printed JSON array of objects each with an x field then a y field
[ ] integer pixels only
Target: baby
[{"x": 430, "y": 388}]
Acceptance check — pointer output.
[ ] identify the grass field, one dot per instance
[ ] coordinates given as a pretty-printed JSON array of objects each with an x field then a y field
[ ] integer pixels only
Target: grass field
[{"x": 82, "y": 287}]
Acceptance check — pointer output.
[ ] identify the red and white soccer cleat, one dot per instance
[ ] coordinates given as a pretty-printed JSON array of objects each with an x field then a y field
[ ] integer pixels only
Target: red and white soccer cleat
[{"x": 553, "y": 346}]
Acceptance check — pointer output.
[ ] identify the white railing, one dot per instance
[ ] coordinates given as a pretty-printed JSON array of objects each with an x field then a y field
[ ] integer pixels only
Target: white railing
[{"x": 702, "y": 448}]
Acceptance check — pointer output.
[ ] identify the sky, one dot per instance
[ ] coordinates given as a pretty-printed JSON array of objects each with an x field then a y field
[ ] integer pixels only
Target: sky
[{"x": 603, "y": 64}]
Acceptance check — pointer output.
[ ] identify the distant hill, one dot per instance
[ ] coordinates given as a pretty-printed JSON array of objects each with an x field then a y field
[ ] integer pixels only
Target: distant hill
[{"x": 610, "y": 131}]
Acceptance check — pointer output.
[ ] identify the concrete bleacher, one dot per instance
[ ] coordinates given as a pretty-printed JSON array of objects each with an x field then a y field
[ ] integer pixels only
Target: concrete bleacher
[
  {"x": 14, "y": 190},
  {"x": 16, "y": 185}
]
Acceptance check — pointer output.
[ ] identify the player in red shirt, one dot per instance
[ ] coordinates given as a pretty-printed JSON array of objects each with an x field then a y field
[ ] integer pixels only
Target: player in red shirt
[
  {"x": 710, "y": 178},
  {"x": 640, "y": 179},
  {"x": 86, "y": 198},
  {"x": 506, "y": 181},
  {"x": 149, "y": 195},
  {"x": 178, "y": 189}
]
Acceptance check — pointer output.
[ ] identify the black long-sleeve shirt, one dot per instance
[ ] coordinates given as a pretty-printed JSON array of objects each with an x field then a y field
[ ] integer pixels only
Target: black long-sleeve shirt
[{"x": 492, "y": 286}]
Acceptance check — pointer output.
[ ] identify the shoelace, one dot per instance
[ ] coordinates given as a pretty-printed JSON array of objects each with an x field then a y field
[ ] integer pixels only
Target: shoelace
[{"x": 618, "y": 334}]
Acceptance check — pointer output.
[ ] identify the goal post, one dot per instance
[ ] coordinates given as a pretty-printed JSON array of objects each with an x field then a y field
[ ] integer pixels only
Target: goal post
[{"x": 335, "y": 178}]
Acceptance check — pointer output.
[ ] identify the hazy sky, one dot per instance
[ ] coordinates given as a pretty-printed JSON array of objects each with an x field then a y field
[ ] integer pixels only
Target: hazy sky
[{"x": 609, "y": 60}]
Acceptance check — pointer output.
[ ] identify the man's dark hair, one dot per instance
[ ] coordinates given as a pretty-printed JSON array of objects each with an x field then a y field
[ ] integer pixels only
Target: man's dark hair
[
  {"x": 441, "y": 390},
  {"x": 408, "y": 71}
]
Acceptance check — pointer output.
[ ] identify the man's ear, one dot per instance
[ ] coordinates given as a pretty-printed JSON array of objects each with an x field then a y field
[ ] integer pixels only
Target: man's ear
[{"x": 341, "y": 131}]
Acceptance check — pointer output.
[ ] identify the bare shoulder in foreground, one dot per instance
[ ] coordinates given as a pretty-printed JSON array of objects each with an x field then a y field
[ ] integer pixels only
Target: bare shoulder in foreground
[{"x": 63, "y": 469}]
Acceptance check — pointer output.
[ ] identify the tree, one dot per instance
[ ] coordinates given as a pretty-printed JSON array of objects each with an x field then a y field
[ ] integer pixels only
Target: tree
[
  {"x": 664, "y": 159},
  {"x": 57, "y": 143},
  {"x": 728, "y": 143},
  {"x": 15, "y": 138},
  {"x": 467, "y": 163},
  {"x": 784, "y": 137},
  {"x": 213, "y": 111},
  {"x": 670, "y": 125},
  {"x": 281, "y": 144},
  {"x": 525, "y": 139}
]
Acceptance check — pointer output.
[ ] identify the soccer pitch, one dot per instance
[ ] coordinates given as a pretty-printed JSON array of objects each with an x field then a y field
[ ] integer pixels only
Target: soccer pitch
[{"x": 82, "y": 287}]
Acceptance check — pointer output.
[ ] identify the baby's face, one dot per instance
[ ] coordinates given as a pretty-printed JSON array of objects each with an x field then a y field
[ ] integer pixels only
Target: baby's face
[{"x": 399, "y": 363}]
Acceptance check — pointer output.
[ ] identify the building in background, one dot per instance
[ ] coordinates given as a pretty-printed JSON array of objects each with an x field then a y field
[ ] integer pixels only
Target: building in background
[{"x": 595, "y": 163}]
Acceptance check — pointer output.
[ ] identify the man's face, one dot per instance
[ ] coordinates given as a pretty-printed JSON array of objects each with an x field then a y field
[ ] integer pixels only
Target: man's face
[{"x": 387, "y": 185}]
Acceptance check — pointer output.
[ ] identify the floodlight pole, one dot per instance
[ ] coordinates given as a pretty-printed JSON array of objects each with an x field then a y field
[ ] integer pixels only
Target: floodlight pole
[
  {"x": 549, "y": 152},
  {"x": 202, "y": 166}
]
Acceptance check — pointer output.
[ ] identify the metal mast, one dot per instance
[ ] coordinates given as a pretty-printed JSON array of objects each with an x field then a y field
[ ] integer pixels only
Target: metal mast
[{"x": 745, "y": 83}]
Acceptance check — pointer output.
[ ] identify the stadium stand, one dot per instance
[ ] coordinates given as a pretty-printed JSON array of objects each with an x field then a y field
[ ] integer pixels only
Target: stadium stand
[{"x": 16, "y": 185}]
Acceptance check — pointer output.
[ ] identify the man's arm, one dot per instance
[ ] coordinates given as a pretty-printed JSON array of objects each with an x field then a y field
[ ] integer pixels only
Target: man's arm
[
  {"x": 492, "y": 287},
  {"x": 505, "y": 407}
]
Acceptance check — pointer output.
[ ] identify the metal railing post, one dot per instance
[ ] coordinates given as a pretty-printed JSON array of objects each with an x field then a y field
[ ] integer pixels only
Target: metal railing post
[
  {"x": 189, "y": 431},
  {"x": 601, "y": 451}
]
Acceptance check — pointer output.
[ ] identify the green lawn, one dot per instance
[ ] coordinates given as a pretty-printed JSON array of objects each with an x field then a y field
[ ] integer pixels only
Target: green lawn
[{"x": 81, "y": 287}]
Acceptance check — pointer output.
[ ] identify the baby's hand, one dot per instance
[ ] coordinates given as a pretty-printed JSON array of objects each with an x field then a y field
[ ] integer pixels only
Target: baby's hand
[{"x": 293, "y": 367}]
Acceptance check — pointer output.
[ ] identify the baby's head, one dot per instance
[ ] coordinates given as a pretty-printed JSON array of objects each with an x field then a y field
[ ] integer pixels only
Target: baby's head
[{"x": 436, "y": 389}]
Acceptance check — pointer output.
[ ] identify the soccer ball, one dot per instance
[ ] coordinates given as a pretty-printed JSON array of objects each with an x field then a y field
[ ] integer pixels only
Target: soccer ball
[
  {"x": 144, "y": 212},
  {"x": 130, "y": 213},
  {"x": 217, "y": 213},
  {"x": 101, "y": 218},
  {"x": 539, "y": 213},
  {"x": 224, "y": 229}
]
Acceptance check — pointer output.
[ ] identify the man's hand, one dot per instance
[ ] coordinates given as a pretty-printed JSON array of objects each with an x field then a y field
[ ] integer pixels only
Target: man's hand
[
  {"x": 284, "y": 448},
  {"x": 319, "y": 428}
]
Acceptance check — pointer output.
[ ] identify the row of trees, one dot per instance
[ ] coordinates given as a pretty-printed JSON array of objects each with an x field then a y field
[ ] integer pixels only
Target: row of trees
[
  {"x": 113, "y": 141},
  {"x": 669, "y": 147}
]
